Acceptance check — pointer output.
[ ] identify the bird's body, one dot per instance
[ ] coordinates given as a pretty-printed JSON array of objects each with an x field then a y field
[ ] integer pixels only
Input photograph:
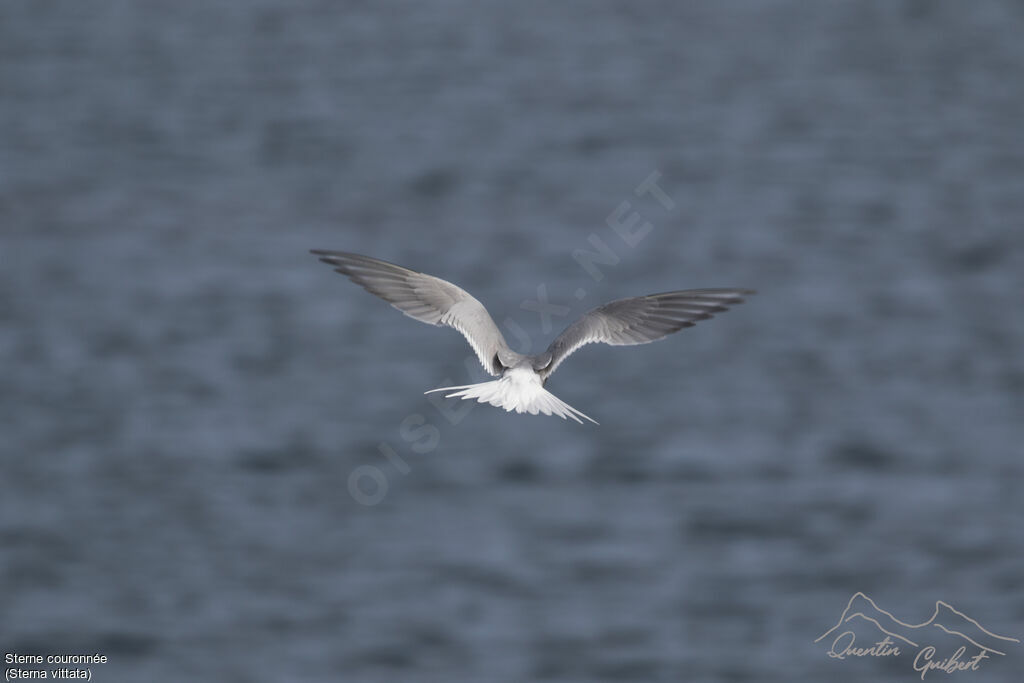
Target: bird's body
[
  {"x": 521, "y": 378},
  {"x": 520, "y": 388}
]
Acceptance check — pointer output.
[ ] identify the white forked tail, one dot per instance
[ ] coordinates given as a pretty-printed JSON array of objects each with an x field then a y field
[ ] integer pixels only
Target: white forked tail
[{"x": 520, "y": 390}]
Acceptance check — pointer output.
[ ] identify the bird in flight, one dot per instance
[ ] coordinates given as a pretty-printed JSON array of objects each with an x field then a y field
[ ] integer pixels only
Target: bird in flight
[{"x": 521, "y": 379}]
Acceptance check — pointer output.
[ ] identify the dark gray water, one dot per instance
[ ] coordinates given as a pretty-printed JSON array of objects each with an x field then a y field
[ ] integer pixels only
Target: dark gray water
[{"x": 187, "y": 392}]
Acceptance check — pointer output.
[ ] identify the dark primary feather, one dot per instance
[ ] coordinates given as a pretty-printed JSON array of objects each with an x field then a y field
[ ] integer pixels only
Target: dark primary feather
[
  {"x": 643, "y": 319},
  {"x": 425, "y": 298}
]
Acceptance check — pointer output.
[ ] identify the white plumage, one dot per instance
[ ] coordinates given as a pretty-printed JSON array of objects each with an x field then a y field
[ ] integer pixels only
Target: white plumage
[{"x": 519, "y": 389}]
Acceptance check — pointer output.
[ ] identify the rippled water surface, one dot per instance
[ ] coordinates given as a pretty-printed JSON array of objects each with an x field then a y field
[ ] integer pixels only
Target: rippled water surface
[{"x": 189, "y": 398}]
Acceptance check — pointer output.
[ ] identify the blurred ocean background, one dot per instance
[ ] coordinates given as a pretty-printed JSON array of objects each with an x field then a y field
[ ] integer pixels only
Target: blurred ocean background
[{"x": 195, "y": 413}]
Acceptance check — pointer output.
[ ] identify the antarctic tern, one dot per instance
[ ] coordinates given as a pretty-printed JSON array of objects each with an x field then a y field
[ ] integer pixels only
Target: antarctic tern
[{"x": 520, "y": 387}]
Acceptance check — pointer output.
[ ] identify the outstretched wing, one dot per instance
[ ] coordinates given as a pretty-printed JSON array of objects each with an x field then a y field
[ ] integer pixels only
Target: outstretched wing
[
  {"x": 642, "y": 319},
  {"x": 425, "y": 298}
]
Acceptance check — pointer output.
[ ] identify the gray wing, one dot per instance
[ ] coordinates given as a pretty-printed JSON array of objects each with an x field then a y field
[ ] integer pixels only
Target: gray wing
[
  {"x": 642, "y": 319},
  {"x": 425, "y": 298}
]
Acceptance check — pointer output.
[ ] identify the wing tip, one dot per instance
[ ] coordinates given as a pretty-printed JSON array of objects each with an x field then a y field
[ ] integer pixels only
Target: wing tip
[{"x": 327, "y": 255}]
